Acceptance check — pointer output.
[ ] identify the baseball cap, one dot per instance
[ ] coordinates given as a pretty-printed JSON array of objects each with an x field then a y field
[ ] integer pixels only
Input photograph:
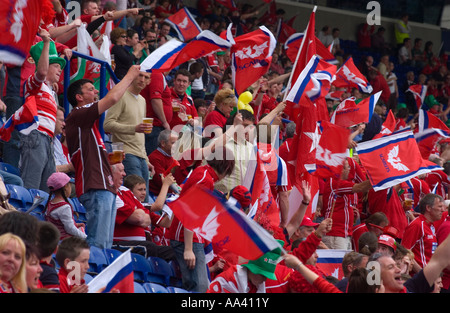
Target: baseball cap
[
  {"x": 387, "y": 241},
  {"x": 57, "y": 180},
  {"x": 308, "y": 222},
  {"x": 266, "y": 264}
]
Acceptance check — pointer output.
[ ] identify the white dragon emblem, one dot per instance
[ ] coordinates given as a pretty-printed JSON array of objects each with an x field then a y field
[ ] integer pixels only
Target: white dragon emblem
[{"x": 395, "y": 161}]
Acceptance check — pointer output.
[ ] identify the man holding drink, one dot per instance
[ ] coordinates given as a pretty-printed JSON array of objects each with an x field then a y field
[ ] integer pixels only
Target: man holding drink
[{"x": 127, "y": 123}]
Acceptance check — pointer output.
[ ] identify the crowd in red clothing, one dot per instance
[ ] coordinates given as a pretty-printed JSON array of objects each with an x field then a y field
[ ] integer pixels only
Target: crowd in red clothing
[{"x": 408, "y": 222}]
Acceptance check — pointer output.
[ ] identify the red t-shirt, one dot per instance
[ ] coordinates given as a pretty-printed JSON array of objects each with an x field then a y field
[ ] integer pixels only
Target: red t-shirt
[
  {"x": 442, "y": 233},
  {"x": 420, "y": 238},
  {"x": 213, "y": 120},
  {"x": 158, "y": 89},
  {"x": 188, "y": 103},
  {"x": 161, "y": 163}
]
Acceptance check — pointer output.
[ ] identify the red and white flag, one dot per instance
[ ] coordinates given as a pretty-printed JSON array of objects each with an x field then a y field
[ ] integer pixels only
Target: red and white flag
[
  {"x": 184, "y": 24},
  {"x": 429, "y": 131},
  {"x": 349, "y": 75},
  {"x": 25, "y": 119},
  {"x": 331, "y": 151},
  {"x": 293, "y": 43},
  {"x": 388, "y": 126},
  {"x": 348, "y": 113},
  {"x": 118, "y": 275},
  {"x": 419, "y": 92},
  {"x": 222, "y": 223},
  {"x": 393, "y": 159},
  {"x": 19, "y": 22},
  {"x": 251, "y": 56}
]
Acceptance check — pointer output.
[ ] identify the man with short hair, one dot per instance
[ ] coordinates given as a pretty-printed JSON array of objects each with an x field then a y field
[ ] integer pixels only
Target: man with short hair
[
  {"x": 162, "y": 159},
  {"x": 125, "y": 122},
  {"x": 93, "y": 180},
  {"x": 420, "y": 235},
  {"x": 187, "y": 111}
]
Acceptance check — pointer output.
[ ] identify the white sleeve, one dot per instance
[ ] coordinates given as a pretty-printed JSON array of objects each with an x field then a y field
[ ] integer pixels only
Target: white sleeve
[{"x": 64, "y": 213}]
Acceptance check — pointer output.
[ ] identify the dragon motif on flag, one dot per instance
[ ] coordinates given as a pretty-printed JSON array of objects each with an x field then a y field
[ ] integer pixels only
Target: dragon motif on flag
[{"x": 395, "y": 161}]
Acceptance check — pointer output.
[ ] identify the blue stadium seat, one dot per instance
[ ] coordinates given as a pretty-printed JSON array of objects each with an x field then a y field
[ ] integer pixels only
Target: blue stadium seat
[
  {"x": 161, "y": 271},
  {"x": 20, "y": 197},
  {"x": 172, "y": 289},
  {"x": 97, "y": 260},
  {"x": 79, "y": 209},
  {"x": 39, "y": 210},
  {"x": 141, "y": 267},
  {"x": 9, "y": 168},
  {"x": 138, "y": 288},
  {"x": 155, "y": 288},
  {"x": 111, "y": 254},
  {"x": 175, "y": 279}
]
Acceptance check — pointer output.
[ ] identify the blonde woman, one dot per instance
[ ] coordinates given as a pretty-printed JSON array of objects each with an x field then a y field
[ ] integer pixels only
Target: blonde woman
[
  {"x": 225, "y": 101},
  {"x": 12, "y": 264}
]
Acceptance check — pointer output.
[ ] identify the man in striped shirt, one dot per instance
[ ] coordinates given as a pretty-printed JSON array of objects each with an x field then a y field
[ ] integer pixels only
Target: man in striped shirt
[{"x": 36, "y": 161}]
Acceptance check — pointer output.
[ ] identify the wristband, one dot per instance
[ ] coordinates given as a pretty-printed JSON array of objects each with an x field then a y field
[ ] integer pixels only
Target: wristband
[{"x": 305, "y": 203}]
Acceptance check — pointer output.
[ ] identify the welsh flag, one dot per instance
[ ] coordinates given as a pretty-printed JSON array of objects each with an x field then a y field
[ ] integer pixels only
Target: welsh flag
[{"x": 86, "y": 68}]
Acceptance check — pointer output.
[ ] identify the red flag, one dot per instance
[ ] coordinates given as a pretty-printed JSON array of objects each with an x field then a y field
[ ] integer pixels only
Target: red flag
[
  {"x": 222, "y": 223},
  {"x": 19, "y": 22},
  {"x": 348, "y": 113},
  {"x": 349, "y": 75},
  {"x": 419, "y": 92},
  {"x": 284, "y": 31},
  {"x": 263, "y": 201},
  {"x": 293, "y": 43},
  {"x": 307, "y": 49},
  {"x": 388, "y": 126},
  {"x": 429, "y": 131},
  {"x": 251, "y": 56},
  {"x": 185, "y": 24},
  {"x": 332, "y": 150},
  {"x": 25, "y": 119},
  {"x": 393, "y": 159}
]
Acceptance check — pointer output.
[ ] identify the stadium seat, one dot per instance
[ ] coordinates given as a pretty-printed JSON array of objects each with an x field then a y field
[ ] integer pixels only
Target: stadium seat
[
  {"x": 175, "y": 279},
  {"x": 39, "y": 210},
  {"x": 172, "y": 289},
  {"x": 155, "y": 288},
  {"x": 79, "y": 210},
  {"x": 161, "y": 271},
  {"x": 97, "y": 261},
  {"x": 9, "y": 168},
  {"x": 141, "y": 268},
  {"x": 111, "y": 254},
  {"x": 20, "y": 197},
  {"x": 138, "y": 288}
]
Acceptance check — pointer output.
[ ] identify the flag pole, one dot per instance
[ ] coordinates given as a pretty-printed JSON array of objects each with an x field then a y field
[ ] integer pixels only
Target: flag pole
[{"x": 288, "y": 86}]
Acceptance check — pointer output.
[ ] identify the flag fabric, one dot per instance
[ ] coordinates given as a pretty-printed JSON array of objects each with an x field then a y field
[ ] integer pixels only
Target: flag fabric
[
  {"x": 348, "y": 113},
  {"x": 222, "y": 223},
  {"x": 331, "y": 152},
  {"x": 388, "y": 126},
  {"x": 19, "y": 22},
  {"x": 175, "y": 52},
  {"x": 251, "y": 56},
  {"x": 430, "y": 130},
  {"x": 349, "y": 75},
  {"x": 230, "y": 4},
  {"x": 306, "y": 51},
  {"x": 184, "y": 24},
  {"x": 284, "y": 31},
  {"x": 419, "y": 92},
  {"x": 313, "y": 82},
  {"x": 393, "y": 159},
  {"x": 257, "y": 182},
  {"x": 118, "y": 275},
  {"x": 293, "y": 43},
  {"x": 88, "y": 69},
  {"x": 25, "y": 119},
  {"x": 329, "y": 261}
]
